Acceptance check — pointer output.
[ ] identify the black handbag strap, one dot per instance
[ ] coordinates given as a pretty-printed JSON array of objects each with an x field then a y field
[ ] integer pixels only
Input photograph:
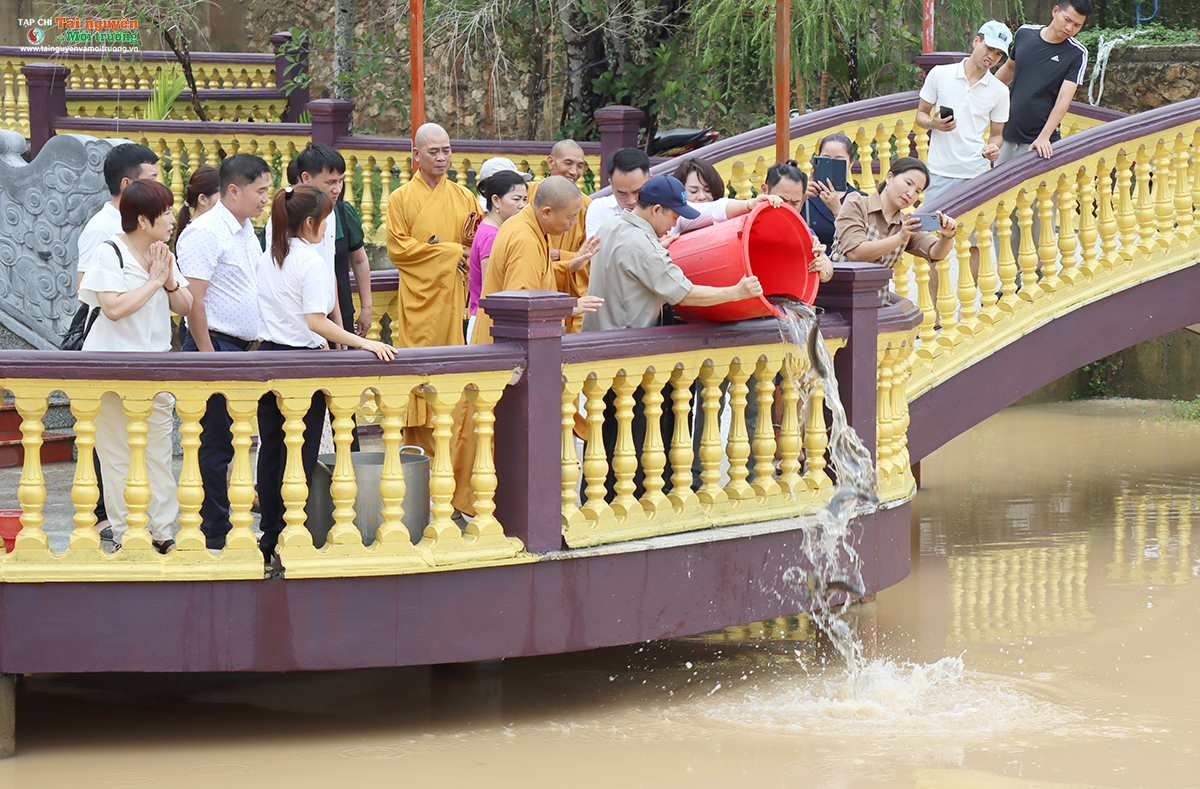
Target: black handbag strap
[{"x": 117, "y": 249}]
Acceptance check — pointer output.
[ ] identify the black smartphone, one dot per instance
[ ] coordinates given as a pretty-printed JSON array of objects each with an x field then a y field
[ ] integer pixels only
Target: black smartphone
[
  {"x": 947, "y": 112},
  {"x": 929, "y": 222},
  {"x": 826, "y": 168}
]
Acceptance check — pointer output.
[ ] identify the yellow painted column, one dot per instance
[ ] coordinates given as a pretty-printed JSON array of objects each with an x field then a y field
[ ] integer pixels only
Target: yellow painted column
[
  {"x": 1164, "y": 197},
  {"x": 343, "y": 488},
  {"x": 989, "y": 283},
  {"x": 84, "y": 491},
  {"x": 441, "y": 481},
  {"x": 137, "y": 482},
  {"x": 925, "y": 304},
  {"x": 393, "y": 405},
  {"x": 681, "y": 454},
  {"x": 967, "y": 295},
  {"x": 294, "y": 489},
  {"x": 764, "y": 483},
  {"x": 242, "y": 407},
  {"x": 789, "y": 430},
  {"x": 1086, "y": 188},
  {"x": 1183, "y": 193},
  {"x": 483, "y": 477},
  {"x": 624, "y": 460},
  {"x": 883, "y": 415},
  {"x": 189, "y": 406},
  {"x": 1047, "y": 243},
  {"x": 1145, "y": 207},
  {"x": 571, "y": 514},
  {"x": 1006, "y": 265},
  {"x": 1067, "y": 242},
  {"x": 367, "y": 204},
  {"x": 1027, "y": 255},
  {"x": 710, "y": 492},
  {"x": 653, "y": 456},
  {"x": 738, "y": 448},
  {"x": 595, "y": 462},
  {"x": 816, "y": 441}
]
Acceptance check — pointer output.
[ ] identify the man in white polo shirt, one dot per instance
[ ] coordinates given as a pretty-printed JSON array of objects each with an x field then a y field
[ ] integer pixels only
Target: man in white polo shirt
[
  {"x": 220, "y": 252},
  {"x": 963, "y": 145}
]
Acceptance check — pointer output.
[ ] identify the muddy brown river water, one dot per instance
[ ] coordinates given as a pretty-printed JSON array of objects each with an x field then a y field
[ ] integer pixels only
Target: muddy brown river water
[{"x": 1048, "y": 636}]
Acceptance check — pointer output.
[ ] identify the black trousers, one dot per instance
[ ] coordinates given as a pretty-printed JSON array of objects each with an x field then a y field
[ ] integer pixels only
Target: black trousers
[{"x": 609, "y": 437}]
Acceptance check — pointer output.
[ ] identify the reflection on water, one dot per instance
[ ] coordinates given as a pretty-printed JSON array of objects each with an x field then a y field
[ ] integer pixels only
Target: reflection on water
[{"x": 1046, "y": 637}]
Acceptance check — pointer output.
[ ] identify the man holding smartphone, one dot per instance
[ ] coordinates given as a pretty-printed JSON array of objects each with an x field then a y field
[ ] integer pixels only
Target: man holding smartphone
[{"x": 967, "y": 129}]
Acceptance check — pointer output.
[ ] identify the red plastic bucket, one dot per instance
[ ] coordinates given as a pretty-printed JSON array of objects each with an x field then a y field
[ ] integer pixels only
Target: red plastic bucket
[
  {"x": 773, "y": 244},
  {"x": 10, "y": 524}
]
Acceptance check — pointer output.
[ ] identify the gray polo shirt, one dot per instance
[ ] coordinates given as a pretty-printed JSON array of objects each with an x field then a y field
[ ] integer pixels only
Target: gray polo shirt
[{"x": 634, "y": 275}]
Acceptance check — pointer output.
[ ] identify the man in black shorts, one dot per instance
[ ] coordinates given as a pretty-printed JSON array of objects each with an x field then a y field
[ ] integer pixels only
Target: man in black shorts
[{"x": 1045, "y": 66}]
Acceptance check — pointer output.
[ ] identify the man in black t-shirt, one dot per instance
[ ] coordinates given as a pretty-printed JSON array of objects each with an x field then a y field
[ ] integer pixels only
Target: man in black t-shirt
[{"x": 1045, "y": 66}]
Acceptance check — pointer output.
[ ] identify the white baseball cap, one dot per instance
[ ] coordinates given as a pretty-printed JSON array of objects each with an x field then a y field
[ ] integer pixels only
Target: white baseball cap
[
  {"x": 495, "y": 165},
  {"x": 996, "y": 35}
]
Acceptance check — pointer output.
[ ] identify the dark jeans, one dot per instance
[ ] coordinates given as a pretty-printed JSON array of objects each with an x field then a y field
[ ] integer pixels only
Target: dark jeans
[
  {"x": 216, "y": 452},
  {"x": 272, "y": 456},
  {"x": 698, "y": 419},
  {"x": 609, "y": 436}
]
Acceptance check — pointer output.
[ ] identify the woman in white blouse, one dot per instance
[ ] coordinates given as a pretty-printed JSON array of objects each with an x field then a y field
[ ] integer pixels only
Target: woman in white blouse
[
  {"x": 296, "y": 295},
  {"x": 134, "y": 281}
]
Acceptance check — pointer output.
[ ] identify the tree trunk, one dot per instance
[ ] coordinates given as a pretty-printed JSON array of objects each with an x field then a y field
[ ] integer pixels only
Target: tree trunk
[
  {"x": 343, "y": 45},
  {"x": 179, "y": 45},
  {"x": 584, "y": 48}
]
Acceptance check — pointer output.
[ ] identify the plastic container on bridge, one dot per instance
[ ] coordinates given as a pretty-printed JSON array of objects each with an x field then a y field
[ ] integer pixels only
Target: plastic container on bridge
[{"x": 773, "y": 244}]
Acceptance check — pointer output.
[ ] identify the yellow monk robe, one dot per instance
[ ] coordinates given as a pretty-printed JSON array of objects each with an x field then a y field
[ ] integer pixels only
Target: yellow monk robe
[
  {"x": 573, "y": 284},
  {"x": 431, "y": 292},
  {"x": 520, "y": 261}
]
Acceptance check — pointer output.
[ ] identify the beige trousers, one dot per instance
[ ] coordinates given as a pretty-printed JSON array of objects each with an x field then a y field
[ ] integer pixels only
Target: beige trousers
[{"x": 112, "y": 447}]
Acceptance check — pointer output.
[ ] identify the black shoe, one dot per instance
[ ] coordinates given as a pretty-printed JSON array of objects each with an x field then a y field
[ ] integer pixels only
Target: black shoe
[
  {"x": 215, "y": 543},
  {"x": 164, "y": 546}
]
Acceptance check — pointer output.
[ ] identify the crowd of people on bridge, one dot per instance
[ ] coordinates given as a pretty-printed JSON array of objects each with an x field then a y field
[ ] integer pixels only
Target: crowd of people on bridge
[{"x": 452, "y": 249}]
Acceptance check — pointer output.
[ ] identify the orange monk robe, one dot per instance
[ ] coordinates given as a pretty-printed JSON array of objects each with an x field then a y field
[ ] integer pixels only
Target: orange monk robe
[
  {"x": 431, "y": 291},
  {"x": 576, "y": 283}
]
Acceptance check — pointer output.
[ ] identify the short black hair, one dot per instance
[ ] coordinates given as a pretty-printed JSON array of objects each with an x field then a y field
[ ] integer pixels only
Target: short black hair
[
  {"x": 125, "y": 161},
  {"x": 146, "y": 198},
  {"x": 1083, "y": 7},
  {"x": 317, "y": 158},
  {"x": 789, "y": 170},
  {"x": 241, "y": 169},
  {"x": 629, "y": 159}
]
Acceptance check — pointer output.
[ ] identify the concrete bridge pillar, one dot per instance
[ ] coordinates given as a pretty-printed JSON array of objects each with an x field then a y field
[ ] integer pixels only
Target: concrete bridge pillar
[
  {"x": 330, "y": 120},
  {"x": 47, "y": 87},
  {"x": 619, "y": 126}
]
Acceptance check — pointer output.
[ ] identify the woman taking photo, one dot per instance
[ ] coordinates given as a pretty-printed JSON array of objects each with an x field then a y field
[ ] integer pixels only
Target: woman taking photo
[
  {"x": 504, "y": 194},
  {"x": 136, "y": 284},
  {"x": 296, "y": 296},
  {"x": 875, "y": 229},
  {"x": 820, "y": 214}
]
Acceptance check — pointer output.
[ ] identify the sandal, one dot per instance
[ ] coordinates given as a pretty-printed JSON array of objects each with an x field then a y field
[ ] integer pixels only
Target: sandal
[{"x": 164, "y": 546}]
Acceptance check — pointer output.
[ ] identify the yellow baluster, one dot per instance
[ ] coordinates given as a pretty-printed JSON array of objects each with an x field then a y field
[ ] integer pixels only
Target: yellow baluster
[
  {"x": 624, "y": 460},
  {"x": 8, "y": 113},
  {"x": 195, "y": 155},
  {"x": 681, "y": 442},
  {"x": 1195, "y": 171},
  {"x": 1005, "y": 263},
  {"x": 901, "y": 371},
  {"x": 883, "y": 149},
  {"x": 394, "y": 405},
  {"x": 1164, "y": 198},
  {"x": 177, "y": 181},
  {"x": 1183, "y": 192},
  {"x": 31, "y": 490},
  {"x": 1027, "y": 255},
  {"x": 189, "y": 405},
  {"x": 1047, "y": 245},
  {"x": 1106, "y": 219},
  {"x": 866, "y": 179},
  {"x": 741, "y": 182},
  {"x": 385, "y": 185},
  {"x": 367, "y": 204},
  {"x": 22, "y": 106},
  {"x": 1145, "y": 207},
  {"x": 738, "y": 448},
  {"x": 1067, "y": 243},
  {"x": 710, "y": 492},
  {"x": 967, "y": 294},
  {"x": 922, "y": 143},
  {"x": 243, "y": 407},
  {"x": 137, "y": 481},
  {"x": 460, "y": 172},
  {"x": 571, "y": 514},
  {"x": 883, "y": 414},
  {"x": 595, "y": 462},
  {"x": 989, "y": 283},
  {"x": 483, "y": 477},
  {"x": 295, "y": 486},
  {"x": 925, "y": 300},
  {"x": 441, "y": 482},
  {"x": 1087, "y": 221},
  {"x": 343, "y": 488},
  {"x": 789, "y": 429},
  {"x": 816, "y": 441},
  {"x": 764, "y": 483},
  {"x": 84, "y": 492},
  {"x": 405, "y": 171},
  {"x": 256, "y": 80},
  {"x": 1126, "y": 217},
  {"x": 901, "y": 278},
  {"x": 653, "y": 456},
  {"x": 946, "y": 304},
  {"x": 75, "y": 81}
]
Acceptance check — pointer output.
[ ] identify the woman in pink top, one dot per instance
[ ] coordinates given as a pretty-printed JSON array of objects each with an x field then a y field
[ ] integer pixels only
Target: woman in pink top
[{"x": 504, "y": 194}]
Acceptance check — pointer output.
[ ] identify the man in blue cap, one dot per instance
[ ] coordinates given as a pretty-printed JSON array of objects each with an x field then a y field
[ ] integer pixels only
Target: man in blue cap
[{"x": 633, "y": 273}]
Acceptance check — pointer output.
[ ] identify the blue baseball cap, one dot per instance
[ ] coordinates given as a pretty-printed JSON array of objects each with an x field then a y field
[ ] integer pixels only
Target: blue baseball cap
[{"x": 667, "y": 191}]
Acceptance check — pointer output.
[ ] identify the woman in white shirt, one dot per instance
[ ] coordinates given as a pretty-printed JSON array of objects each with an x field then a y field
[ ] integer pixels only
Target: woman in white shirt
[
  {"x": 296, "y": 295},
  {"x": 134, "y": 281}
]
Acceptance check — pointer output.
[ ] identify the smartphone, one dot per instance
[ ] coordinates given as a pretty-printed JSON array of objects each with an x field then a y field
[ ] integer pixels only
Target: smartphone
[
  {"x": 826, "y": 168},
  {"x": 947, "y": 112},
  {"x": 929, "y": 222}
]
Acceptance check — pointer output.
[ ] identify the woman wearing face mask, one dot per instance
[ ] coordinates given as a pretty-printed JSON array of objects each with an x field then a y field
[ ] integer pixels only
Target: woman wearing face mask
[
  {"x": 504, "y": 194},
  {"x": 137, "y": 285},
  {"x": 875, "y": 229},
  {"x": 820, "y": 214}
]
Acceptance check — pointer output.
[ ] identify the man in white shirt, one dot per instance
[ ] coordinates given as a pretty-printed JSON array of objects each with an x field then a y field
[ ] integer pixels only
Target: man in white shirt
[
  {"x": 218, "y": 253},
  {"x": 628, "y": 169},
  {"x": 125, "y": 163},
  {"x": 957, "y": 150}
]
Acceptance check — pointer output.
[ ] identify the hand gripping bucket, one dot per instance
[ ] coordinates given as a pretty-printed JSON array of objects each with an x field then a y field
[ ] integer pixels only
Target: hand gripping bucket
[{"x": 773, "y": 244}]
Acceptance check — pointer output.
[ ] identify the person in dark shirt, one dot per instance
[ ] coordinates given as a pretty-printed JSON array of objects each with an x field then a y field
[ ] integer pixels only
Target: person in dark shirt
[
  {"x": 820, "y": 214},
  {"x": 1045, "y": 66}
]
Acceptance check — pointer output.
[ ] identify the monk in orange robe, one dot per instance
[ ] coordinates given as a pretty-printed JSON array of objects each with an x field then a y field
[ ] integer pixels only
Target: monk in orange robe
[
  {"x": 566, "y": 159},
  {"x": 521, "y": 261},
  {"x": 426, "y": 219}
]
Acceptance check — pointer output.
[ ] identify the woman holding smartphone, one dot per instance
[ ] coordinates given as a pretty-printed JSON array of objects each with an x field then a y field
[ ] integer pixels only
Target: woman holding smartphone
[
  {"x": 875, "y": 229},
  {"x": 820, "y": 214}
]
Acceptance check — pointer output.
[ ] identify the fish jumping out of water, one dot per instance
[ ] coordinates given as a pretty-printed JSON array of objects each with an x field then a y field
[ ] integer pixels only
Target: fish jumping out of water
[{"x": 818, "y": 590}]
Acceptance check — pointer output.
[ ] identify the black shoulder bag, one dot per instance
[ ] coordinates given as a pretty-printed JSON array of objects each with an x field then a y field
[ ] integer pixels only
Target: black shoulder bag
[{"x": 81, "y": 324}]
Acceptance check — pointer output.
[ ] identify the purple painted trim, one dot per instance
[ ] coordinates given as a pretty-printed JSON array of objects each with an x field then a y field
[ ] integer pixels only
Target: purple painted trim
[
  {"x": 152, "y": 56},
  {"x": 528, "y": 609},
  {"x": 382, "y": 281},
  {"x": 494, "y": 147},
  {"x": 1092, "y": 332},
  {"x": 207, "y": 94},
  {"x": 243, "y": 129},
  {"x": 899, "y": 315},
  {"x": 1029, "y": 165},
  {"x": 254, "y": 366}
]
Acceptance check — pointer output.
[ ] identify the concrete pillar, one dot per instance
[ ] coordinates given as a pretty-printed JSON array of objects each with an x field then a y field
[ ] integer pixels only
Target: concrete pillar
[
  {"x": 47, "y": 87},
  {"x": 619, "y": 125},
  {"x": 330, "y": 120}
]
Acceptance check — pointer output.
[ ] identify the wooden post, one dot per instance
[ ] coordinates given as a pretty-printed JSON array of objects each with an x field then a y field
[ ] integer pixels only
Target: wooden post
[
  {"x": 46, "y": 84},
  {"x": 926, "y": 26},
  {"x": 619, "y": 126},
  {"x": 528, "y": 442},
  {"x": 291, "y": 66},
  {"x": 416, "y": 62},
  {"x": 783, "y": 78}
]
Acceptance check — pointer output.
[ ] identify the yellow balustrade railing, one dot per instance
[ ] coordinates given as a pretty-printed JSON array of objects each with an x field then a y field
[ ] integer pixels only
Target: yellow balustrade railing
[
  {"x": 391, "y": 551},
  {"x": 88, "y": 74},
  {"x": 893, "y": 468},
  {"x": 260, "y": 110},
  {"x": 1146, "y": 550},
  {"x": 1119, "y": 214}
]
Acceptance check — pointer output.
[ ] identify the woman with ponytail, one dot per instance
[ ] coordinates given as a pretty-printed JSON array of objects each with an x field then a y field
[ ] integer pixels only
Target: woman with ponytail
[
  {"x": 296, "y": 296},
  {"x": 203, "y": 192}
]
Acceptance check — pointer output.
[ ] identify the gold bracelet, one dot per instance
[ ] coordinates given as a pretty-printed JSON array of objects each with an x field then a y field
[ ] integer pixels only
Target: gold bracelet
[{"x": 171, "y": 290}]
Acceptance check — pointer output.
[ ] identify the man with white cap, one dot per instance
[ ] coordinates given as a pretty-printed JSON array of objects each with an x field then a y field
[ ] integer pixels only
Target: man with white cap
[{"x": 972, "y": 105}]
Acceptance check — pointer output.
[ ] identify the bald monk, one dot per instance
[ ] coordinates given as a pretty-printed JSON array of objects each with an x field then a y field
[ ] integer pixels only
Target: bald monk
[
  {"x": 520, "y": 261},
  {"x": 425, "y": 220},
  {"x": 566, "y": 159}
]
